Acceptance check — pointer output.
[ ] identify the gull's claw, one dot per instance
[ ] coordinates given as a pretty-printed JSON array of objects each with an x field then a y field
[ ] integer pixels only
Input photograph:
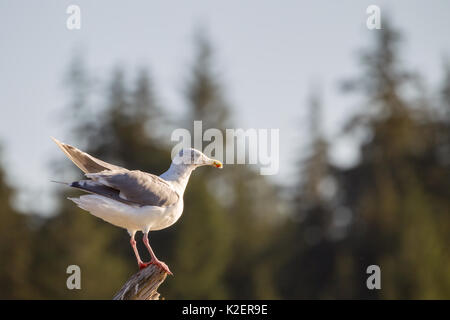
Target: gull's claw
[{"x": 162, "y": 266}]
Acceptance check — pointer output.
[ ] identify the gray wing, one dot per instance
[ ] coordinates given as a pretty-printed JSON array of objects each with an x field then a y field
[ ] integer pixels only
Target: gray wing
[
  {"x": 84, "y": 161},
  {"x": 100, "y": 189},
  {"x": 139, "y": 187}
]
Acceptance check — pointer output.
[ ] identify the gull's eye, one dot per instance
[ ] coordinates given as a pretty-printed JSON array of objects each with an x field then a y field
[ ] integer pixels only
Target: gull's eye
[{"x": 180, "y": 153}]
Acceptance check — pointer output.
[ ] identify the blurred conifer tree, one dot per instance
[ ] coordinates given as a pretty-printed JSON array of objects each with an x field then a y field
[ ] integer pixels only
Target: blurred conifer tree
[{"x": 15, "y": 248}]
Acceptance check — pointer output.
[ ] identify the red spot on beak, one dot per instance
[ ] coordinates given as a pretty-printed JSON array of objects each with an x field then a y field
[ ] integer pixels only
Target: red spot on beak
[{"x": 217, "y": 164}]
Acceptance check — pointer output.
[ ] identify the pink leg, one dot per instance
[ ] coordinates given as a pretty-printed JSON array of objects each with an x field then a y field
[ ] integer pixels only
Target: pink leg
[
  {"x": 141, "y": 264},
  {"x": 154, "y": 259}
]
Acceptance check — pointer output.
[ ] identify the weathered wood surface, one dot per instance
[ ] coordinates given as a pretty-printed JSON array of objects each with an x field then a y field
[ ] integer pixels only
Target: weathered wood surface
[{"x": 143, "y": 285}]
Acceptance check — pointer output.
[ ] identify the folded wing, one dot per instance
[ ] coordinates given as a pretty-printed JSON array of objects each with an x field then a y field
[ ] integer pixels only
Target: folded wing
[
  {"x": 138, "y": 187},
  {"x": 114, "y": 182},
  {"x": 100, "y": 189}
]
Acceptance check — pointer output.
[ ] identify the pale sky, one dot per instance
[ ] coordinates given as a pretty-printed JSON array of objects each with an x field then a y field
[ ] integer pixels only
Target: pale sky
[{"x": 269, "y": 54}]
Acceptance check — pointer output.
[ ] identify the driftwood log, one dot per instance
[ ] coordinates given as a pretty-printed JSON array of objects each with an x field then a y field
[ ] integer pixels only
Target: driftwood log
[{"x": 143, "y": 285}]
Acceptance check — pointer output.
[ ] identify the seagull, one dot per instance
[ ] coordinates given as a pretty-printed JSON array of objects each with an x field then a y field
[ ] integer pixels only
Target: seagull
[{"x": 133, "y": 199}]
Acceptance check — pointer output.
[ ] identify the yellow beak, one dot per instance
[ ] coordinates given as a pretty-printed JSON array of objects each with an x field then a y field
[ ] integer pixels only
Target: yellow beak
[{"x": 217, "y": 164}]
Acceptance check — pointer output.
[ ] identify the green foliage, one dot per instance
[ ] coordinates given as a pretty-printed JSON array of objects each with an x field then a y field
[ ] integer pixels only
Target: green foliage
[
  {"x": 397, "y": 196},
  {"x": 15, "y": 241}
]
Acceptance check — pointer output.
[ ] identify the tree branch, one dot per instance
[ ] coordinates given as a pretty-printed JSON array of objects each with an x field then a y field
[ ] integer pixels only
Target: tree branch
[{"x": 143, "y": 285}]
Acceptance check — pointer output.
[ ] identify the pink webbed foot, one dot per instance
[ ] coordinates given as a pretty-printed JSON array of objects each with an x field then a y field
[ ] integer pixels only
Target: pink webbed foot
[{"x": 157, "y": 263}]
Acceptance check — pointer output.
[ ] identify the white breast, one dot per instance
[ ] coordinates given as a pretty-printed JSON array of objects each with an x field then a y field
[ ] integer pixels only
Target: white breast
[{"x": 167, "y": 217}]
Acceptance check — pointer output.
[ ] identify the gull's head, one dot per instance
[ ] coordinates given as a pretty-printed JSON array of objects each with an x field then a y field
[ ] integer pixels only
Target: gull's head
[{"x": 195, "y": 158}]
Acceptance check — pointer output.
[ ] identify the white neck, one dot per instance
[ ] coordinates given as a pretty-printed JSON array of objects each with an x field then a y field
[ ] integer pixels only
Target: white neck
[{"x": 178, "y": 175}]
